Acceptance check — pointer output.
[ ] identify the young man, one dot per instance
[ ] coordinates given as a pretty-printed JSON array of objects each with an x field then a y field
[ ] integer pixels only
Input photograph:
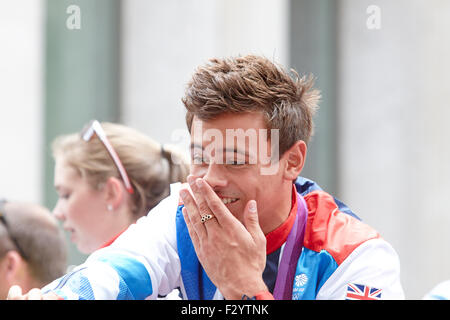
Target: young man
[{"x": 246, "y": 226}]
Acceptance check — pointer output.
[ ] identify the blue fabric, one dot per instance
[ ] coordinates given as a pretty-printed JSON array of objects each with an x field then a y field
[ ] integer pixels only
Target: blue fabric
[
  {"x": 315, "y": 266},
  {"x": 135, "y": 282},
  {"x": 313, "y": 269},
  {"x": 271, "y": 269},
  {"x": 83, "y": 288},
  {"x": 76, "y": 282},
  {"x": 305, "y": 186},
  {"x": 124, "y": 292},
  {"x": 195, "y": 280}
]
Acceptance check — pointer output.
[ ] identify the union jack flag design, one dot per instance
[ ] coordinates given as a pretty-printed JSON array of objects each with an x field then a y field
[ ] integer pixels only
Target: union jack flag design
[{"x": 362, "y": 292}]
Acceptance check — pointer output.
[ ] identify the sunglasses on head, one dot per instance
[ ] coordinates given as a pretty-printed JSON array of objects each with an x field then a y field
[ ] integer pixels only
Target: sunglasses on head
[
  {"x": 95, "y": 127},
  {"x": 8, "y": 229}
]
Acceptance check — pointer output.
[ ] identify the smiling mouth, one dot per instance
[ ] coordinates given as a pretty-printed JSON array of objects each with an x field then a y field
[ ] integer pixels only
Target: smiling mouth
[{"x": 229, "y": 200}]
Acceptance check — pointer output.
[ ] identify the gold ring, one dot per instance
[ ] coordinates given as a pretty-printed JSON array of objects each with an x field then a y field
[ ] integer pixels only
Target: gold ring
[{"x": 206, "y": 217}]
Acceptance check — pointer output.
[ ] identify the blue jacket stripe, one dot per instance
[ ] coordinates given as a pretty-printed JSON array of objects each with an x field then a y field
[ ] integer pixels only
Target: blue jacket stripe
[
  {"x": 313, "y": 270},
  {"x": 133, "y": 275},
  {"x": 195, "y": 280}
]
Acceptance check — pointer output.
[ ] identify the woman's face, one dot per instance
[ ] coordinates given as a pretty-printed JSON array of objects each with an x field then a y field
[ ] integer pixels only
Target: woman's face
[{"x": 81, "y": 208}]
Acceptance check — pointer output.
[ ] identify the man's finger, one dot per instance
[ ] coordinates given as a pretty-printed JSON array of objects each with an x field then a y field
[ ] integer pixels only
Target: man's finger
[
  {"x": 251, "y": 222},
  {"x": 15, "y": 293},
  {"x": 199, "y": 198},
  {"x": 193, "y": 214},
  {"x": 216, "y": 205},
  {"x": 204, "y": 208}
]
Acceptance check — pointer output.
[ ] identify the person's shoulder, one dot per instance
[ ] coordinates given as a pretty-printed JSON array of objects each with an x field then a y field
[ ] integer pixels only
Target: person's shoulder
[
  {"x": 331, "y": 230},
  {"x": 439, "y": 292},
  {"x": 158, "y": 223},
  {"x": 349, "y": 253}
]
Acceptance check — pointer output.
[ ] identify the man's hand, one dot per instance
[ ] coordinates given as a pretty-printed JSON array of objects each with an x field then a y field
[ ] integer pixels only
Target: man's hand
[
  {"x": 232, "y": 254},
  {"x": 15, "y": 293}
]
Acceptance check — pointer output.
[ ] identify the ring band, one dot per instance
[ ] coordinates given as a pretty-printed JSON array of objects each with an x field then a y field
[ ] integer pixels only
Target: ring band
[{"x": 206, "y": 217}]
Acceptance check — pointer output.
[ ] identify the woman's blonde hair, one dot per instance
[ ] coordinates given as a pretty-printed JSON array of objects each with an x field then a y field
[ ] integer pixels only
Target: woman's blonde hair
[{"x": 150, "y": 166}]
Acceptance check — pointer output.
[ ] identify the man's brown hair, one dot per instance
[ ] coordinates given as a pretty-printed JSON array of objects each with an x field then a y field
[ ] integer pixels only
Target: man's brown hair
[{"x": 253, "y": 83}]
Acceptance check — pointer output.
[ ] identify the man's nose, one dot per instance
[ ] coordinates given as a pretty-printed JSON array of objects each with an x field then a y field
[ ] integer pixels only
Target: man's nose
[{"x": 215, "y": 175}]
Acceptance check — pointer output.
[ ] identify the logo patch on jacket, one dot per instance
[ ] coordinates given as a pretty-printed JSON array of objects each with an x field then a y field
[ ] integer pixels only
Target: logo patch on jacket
[
  {"x": 362, "y": 292},
  {"x": 301, "y": 279}
]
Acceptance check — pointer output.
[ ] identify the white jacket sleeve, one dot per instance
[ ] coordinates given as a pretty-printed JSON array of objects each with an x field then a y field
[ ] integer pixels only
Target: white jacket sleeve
[
  {"x": 372, "y": 270},
  {"x": 439, "y": 292},
  {"x": 141, "y": 264}
]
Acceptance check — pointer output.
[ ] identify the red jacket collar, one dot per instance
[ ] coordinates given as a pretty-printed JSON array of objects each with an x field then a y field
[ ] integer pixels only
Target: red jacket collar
[
  {"x": 277, "y": 237},
  {"x": 110, "y": 241}
]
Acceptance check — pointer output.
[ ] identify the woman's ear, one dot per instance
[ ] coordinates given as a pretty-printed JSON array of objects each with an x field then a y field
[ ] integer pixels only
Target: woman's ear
[
  {"x": 295, "y": 158},
  {"x": 114, "y": 193}
]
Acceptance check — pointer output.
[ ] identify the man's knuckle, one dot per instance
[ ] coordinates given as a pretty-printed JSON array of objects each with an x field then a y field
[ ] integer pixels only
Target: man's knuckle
[{"x": 203, "y": 208}]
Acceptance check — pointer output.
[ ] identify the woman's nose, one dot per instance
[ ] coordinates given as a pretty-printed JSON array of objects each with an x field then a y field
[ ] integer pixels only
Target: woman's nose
[{"x": 58, "y": 212}]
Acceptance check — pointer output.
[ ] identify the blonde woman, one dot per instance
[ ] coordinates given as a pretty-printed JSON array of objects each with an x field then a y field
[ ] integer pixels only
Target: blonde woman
[{"x": 107, "y": 177}]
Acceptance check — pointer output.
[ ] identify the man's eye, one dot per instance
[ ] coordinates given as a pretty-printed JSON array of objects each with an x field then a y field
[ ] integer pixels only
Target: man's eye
[
  {"x": 199, "y": 160},
  {"x": 235, "y": 162}
]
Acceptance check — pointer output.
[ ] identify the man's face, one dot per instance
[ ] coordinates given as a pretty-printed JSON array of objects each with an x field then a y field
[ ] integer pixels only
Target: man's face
[{"x": 233, "y": 155}]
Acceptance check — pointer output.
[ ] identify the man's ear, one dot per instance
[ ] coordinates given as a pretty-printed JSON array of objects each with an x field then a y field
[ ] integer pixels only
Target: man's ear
[
  {"x": 11, "y": 265},
  {"x": 114, "y": 192},
  {"x": 295, "y": 158}
]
